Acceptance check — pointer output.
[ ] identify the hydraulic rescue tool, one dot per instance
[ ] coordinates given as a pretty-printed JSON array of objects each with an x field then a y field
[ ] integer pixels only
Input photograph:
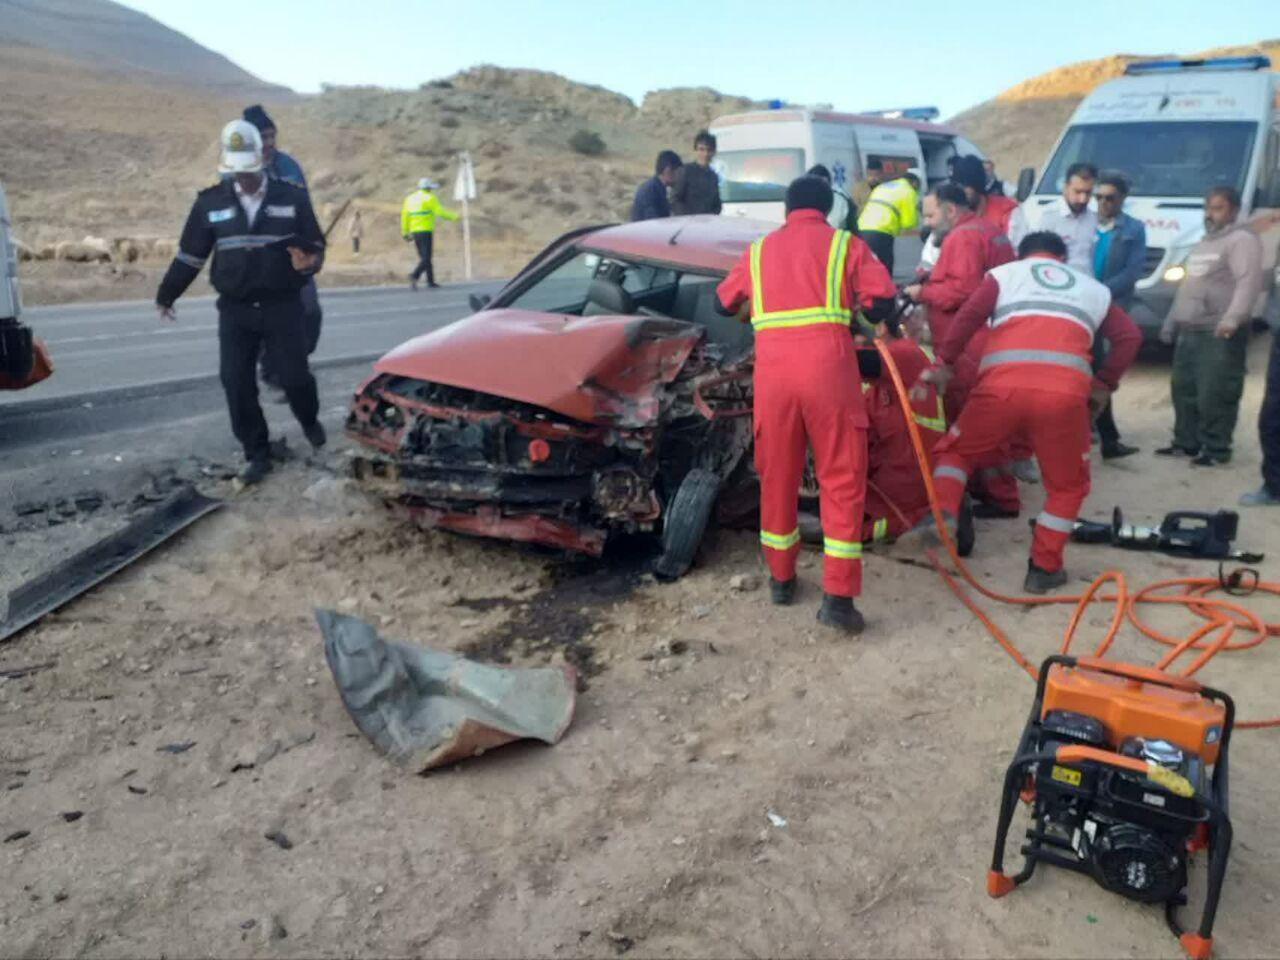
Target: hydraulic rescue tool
[
  {"x": 1125, "y": 771},
  {"x": 1183, "y": 533}
]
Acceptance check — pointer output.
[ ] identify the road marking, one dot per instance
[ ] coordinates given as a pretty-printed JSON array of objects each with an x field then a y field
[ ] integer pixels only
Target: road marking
[{"x": 170, "y": 331}]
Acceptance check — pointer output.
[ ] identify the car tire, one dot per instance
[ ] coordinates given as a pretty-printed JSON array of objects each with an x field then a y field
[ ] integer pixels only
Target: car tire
[{"x": 685, "y": 522}]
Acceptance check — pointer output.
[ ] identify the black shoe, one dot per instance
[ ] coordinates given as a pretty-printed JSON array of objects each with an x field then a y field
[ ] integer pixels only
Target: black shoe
[
  {"x": 1042, "y": 581},
  {"x": 1173, "y": 450},
  {"x": 1116, "y": 450},
  {"x": 1209, "y": 460},
  {"x": 782, "y": 592},
  {"x": 989, "y": 511},
  {"x": 255, "y": 471},
  {"x": 433, "y": 286},
  {"x": 314, "y": 432},
  {"x": 839, "y": 612},
  {"x": 965, "y": 535}
]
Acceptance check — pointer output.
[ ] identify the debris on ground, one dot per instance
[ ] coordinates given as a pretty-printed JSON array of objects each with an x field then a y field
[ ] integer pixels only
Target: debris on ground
[{"x": 424, "y": 708}]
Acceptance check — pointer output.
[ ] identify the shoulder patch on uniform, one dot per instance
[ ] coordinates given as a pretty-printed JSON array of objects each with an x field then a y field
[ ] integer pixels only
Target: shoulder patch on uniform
[
  {"x": 218, "y": 216},
  {"x": 283, "y": 210}
]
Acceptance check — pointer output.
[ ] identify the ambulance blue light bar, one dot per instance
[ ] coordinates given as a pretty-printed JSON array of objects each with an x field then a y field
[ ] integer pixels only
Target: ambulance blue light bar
[
  {"x": 905, "y": 113},
  {"x": 1212, "y": 63}
]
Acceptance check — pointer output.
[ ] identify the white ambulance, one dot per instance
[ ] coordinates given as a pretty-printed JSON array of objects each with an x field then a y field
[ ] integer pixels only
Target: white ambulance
[
  {"x": 1177, "y": 128},
  {"x": 760, "y": 152}
]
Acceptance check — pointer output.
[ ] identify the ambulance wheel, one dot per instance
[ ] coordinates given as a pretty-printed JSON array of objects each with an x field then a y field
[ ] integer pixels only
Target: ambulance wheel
[{"x": 688, "y": 513}]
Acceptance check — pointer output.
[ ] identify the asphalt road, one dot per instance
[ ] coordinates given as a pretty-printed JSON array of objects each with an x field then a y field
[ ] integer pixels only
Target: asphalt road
[{"x": 112, "y": 347}]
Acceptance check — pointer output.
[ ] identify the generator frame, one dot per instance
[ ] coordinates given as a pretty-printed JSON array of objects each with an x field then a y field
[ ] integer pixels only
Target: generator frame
[{"x": 1044, "y": 847}]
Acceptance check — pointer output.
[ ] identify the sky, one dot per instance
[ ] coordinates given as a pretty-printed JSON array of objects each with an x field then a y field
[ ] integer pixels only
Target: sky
[{"x": 854, "y": 55}]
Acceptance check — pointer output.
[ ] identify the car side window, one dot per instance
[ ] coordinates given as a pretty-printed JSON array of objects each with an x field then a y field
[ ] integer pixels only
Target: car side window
[{"x": 563, "y": 290}]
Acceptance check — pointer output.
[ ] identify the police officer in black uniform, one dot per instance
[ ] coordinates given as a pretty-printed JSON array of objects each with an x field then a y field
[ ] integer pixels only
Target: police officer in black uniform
[{"x": 266, "y": 244}]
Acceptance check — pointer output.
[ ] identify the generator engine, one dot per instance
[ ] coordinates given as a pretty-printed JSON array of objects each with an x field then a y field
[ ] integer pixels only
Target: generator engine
[{"x": 1124, "y": 769}]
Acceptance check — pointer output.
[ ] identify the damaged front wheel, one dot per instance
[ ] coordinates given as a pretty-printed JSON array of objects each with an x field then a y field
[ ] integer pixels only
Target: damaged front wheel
[{"x": 685, "y": 523}]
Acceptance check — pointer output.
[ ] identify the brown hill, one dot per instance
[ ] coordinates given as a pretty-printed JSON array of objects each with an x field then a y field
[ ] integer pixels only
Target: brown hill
[
  {"x": 115, "y": 38},
  {"x": 1019, "y": 127},
  {"x": 88, "y": 151}
]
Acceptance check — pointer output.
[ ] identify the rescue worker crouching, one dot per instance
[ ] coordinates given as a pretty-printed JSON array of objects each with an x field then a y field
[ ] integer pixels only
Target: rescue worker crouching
[
  {"x": 418, "y": 218},
  {"x": 804, "y": 282},
  {"x": 1035, "y": 379},
  {"x": 266, "y": 244}
]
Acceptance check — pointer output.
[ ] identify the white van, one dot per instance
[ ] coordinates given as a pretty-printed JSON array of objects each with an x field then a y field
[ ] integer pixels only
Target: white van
[
  {"x": 761, "y": 152},
  {"x": 1177, "y": 128}
]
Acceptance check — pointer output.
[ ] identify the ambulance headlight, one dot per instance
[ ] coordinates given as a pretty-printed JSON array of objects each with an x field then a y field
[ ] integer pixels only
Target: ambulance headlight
[{"x": 1175, "y": 273}]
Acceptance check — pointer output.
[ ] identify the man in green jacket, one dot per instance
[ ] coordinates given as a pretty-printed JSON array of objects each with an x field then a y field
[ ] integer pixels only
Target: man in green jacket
[
  {"x": 1210, "y": 322},
  {"x": 418, "y": 221}
]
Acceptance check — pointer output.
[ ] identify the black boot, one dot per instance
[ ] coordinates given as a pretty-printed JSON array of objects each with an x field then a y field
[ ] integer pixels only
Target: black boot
[
  {"x": 315, "y": 435},
  {"x": 839, "y": 612},
  {"x": 782, "y": 592},
  {"x": 1042, "y": 581},
  {"x": 255, "y": 471},
  {"x": 965, "y": 535}
]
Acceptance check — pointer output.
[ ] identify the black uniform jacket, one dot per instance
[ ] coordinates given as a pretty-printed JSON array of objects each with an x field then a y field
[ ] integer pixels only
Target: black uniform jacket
[{"x": 250, "y": 260}]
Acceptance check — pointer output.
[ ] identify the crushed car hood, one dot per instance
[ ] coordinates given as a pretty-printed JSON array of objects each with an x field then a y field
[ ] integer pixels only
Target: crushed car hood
[{"x": 606, "y": 369}]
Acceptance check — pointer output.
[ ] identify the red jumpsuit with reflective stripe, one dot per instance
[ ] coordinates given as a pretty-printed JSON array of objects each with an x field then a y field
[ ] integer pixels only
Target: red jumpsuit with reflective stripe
[
  {"x": 803, "y": 282},
  {"x": 1034, "y": 380},
  {"x": 896, "y": 496},
  {"x": 974, "y": 246}
]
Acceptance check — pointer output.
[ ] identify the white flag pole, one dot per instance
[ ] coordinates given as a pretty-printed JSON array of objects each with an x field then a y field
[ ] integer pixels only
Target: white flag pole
[{"x": 464, "y": 190}]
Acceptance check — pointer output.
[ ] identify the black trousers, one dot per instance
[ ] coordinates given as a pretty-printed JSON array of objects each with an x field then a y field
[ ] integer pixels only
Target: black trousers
[
  {"x": 881, "y": 245},
  {"x": 1269, "y": 420},
  {"x": 278, "y": 328},
  {"x": 423, "y": 241},
  {"x": 312, "y": 316},
  {"x": 1108, "y": 432}
]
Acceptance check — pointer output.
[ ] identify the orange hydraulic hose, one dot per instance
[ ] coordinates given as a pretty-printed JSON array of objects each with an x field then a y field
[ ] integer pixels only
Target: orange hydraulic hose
[{"x": 1221, "y": 615}]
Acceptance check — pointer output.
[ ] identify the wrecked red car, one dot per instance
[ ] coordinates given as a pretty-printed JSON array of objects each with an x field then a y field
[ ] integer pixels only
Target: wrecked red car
[{"x": 599, "y": 392}]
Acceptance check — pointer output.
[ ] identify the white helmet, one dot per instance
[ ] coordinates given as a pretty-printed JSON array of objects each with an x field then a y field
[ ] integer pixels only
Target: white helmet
[
  {"x": 426, "y": 183},
  {"x": 241, "y": 148}
]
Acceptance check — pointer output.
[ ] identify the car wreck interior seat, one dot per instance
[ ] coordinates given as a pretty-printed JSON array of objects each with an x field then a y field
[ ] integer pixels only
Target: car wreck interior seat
[
  {"x": 696, "y": 302},
  {"x": 606, "y": 298}
]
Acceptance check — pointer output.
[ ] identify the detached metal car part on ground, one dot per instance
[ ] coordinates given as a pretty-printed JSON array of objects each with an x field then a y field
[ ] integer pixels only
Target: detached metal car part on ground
[{"x": 600, "y": 392}]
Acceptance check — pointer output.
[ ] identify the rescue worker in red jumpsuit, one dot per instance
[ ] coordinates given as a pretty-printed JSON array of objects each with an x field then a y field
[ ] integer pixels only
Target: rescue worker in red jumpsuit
[
  {"x": 1035, "y": 380},
  {"x": 897, "y": 500},
  {"x": 804, "y": 282},
  {"x": 971, "y": 176},
  {"x": 970, "y": 247}
]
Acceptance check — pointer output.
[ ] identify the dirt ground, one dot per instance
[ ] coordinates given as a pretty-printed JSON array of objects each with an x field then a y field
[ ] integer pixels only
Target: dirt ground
[{"x": 647, "y": 830}]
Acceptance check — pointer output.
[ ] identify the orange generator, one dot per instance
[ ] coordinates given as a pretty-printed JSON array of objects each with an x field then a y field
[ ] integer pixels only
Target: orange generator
[{"x": 1125, "y": 771}]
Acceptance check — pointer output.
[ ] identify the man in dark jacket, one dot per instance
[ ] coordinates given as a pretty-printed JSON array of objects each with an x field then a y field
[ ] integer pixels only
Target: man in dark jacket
[
  {"x": 266, "y": 244},
  {"x": 696, "y": 188},
  {"x": 1119, "y": 261},
  {"x": 651, "y": 196}
]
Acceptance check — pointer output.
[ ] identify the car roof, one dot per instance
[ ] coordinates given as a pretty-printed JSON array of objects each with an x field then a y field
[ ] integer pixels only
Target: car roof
[{"x": 703, "y": 242}]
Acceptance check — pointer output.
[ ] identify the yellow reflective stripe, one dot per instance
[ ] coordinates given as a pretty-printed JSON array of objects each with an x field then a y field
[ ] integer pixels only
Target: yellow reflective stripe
[
  {"x": 842, "y": 549},
  {"x": 835, "y": 268},
  {"x": 880, "y": 530},
  {"x": 928, "y": 350},
  {"x": 938, "y": 423},
  {"x": 780, "y": 541},
  {"x": 806, "y": 318},
  {"x": 757, "y": 290}
]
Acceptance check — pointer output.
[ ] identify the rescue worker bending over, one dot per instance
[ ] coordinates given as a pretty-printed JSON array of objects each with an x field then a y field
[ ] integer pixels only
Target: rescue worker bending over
[
  {"x": 1035, "y": 379},
  {"x": 266, "y": 244},
  {"x": 418, "y": 223},
  {"x": 804, "y": 282},
  {"x": 893, "y": 209},
  {"x": 897, "y": 500}
]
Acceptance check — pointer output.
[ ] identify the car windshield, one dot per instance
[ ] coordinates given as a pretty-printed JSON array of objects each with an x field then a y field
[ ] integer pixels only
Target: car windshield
[
  {"x": 590, "y": 284},
  {"x": 1169, "y": 159},
  {"x": 757, "y": 175}
]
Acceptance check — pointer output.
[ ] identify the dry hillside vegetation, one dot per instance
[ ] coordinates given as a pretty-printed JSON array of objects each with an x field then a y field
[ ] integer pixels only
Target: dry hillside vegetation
[
  {"x": 1019, "y": 127},
  {"x": 77, "y": 163}
]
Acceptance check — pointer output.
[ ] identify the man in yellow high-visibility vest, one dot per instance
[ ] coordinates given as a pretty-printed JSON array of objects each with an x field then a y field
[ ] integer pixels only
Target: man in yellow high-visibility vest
[
  {"x": 892, "y": 210},
  {"x": 418, "y": 222}
]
